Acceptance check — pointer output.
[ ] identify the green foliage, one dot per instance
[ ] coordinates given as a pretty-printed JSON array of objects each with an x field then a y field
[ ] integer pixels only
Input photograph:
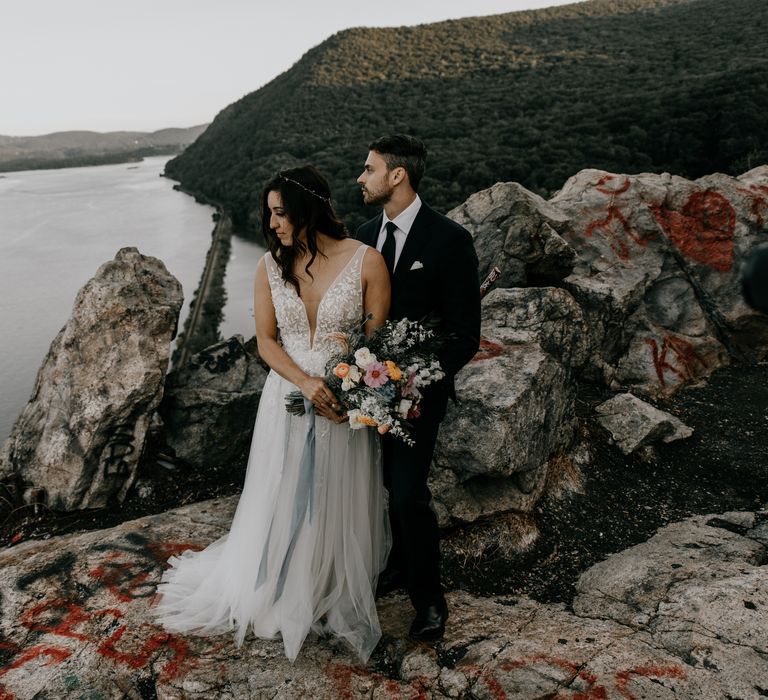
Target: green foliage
[{"x": 533, "y": 97}]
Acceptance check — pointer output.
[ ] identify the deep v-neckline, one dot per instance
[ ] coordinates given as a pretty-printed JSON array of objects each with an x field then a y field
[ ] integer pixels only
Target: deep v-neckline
[{"x": 311, "y": 335}]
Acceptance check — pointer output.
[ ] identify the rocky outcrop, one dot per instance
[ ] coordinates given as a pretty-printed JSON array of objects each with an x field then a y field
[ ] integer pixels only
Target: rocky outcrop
[
  {"x": 634, "y": 423},
  {"x": 209, "y": 406},
  {"x": 78, "y": 441},
  {"x": 682, "y": 615},
  {"x": 652, "y": 260},
  {"x": 643, "y": 292}
]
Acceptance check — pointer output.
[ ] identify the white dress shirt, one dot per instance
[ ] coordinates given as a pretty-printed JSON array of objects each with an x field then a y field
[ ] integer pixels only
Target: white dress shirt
[{"x": 403, "y": 221}]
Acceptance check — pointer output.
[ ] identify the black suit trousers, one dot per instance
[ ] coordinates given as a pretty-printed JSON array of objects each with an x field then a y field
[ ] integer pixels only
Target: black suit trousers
[{"x": 415, "y": 535}]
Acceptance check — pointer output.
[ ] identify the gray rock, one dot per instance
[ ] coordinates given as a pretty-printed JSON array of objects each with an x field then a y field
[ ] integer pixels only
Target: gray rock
[
  {"x": 629, "y": 587},
  {"x": 548, "y": 316},
  {"x": 633, "y": 423},
  {"x": 657, "y": 273},
  {"x": 517, "y": 231},
  {"x": 515, "y": 411},
  {"x": 681, "y": 616},
  {"x": 81, "y": 435},
  {"x": 209, "y": 407}
]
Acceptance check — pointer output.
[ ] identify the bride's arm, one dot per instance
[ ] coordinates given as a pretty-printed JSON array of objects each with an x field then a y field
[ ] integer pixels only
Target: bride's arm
[
  {"x": 314, "y": 388},
  {"x": 376, "y": 289}
]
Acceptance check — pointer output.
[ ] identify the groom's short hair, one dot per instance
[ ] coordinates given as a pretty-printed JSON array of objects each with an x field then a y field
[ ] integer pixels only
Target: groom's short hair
[{"x": 403, "y": 151}]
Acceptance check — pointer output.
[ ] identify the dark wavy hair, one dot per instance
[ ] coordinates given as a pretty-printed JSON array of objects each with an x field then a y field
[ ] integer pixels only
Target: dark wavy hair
[{"x": 306, "y": 199}]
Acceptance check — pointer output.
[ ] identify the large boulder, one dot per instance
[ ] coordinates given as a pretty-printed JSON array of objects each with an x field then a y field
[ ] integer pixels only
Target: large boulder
[
  {"x": 500, "y": 446},
  {"x": 657, "y": 273},
  {"x": 653, "y": 261},
  {"x": 209, "y": 406},
  {"x": 80, "y": 437}
]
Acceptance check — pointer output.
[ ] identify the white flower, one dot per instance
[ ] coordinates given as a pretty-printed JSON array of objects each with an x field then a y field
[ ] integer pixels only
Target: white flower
[
  {"x": 354, "y": 424},
  {"x": 364, "y": 357},
  {"x": 352, "y": 378},
  {"x": 404, "y": 407}
]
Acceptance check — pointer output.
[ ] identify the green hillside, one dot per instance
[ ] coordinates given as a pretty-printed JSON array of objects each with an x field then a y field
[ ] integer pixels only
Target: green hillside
[{"x": 625, "y": 85}]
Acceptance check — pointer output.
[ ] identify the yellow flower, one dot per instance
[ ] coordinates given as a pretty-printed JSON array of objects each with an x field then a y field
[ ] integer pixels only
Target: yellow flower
[{"x": 394, "y": 372}]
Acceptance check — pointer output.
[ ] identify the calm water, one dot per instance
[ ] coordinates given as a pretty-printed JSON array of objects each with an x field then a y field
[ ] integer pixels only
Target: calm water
[
  {"x": 241, "y": 269},
  {"x": 58, "y": 226}
]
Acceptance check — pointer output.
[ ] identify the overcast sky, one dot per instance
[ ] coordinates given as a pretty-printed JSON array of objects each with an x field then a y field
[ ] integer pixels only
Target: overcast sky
[{"x": 142, "y": 65}]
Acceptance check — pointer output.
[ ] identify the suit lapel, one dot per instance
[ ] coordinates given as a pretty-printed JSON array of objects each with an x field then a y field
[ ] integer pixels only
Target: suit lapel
[
  {"x": 414, "y": 242},
  {"x": 372, "y": 231}
]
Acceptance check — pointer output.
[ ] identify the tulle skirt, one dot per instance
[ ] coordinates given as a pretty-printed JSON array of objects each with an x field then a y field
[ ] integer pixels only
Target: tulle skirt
[{"x": 306, "y": 544}]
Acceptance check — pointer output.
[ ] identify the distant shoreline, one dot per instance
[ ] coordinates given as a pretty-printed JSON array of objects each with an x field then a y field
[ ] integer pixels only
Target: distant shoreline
[{"x": 27, "y": 164}]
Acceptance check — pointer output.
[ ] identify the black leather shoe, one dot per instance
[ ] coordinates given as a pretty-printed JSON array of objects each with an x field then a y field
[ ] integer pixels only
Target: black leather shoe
[
  {"x": 389, "y": 580},
  {"x": 429, "y": 623}
]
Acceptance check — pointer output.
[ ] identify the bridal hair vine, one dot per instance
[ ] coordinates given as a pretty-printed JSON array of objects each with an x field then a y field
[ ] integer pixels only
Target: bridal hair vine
[{"x": 327, "y": 200}]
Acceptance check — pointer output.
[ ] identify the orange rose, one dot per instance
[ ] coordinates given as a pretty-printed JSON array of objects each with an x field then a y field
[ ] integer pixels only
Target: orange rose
[
  {"x": 384, "y": 428},
  {"x": 365, "y": 420},
  {"x": 394, "y": 372},
  {"x": 341, "y": 370},
  {"x": 341, "y": 339}
]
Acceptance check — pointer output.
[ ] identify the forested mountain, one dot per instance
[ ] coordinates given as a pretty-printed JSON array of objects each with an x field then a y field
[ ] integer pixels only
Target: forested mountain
[
  {"x": 70, "y": 148},
  {"x": 625, "y": 85}
]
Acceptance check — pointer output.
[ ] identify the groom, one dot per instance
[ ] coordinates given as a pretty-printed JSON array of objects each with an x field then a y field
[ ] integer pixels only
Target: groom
[{"x": 433, "y": 268}]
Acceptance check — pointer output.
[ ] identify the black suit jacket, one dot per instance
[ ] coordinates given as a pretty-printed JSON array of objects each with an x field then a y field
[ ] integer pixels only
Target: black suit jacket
[{"x": 446, "y": 285}]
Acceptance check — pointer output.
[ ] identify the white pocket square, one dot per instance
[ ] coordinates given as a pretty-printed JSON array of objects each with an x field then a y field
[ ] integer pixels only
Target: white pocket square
[{"x": 417, "y": 265}]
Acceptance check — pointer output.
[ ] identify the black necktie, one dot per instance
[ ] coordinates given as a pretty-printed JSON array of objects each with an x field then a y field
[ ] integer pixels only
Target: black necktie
[{"x": 388, "y": 249}]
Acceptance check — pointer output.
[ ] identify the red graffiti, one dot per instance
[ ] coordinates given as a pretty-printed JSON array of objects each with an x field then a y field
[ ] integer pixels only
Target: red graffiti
[
  {"x": 572, "y": 670},
  {"x": 600, "y": 186},
  {"x": 121, "y": 577},
  {"x": 759, "y": 202},
  {"x": 687, "y": 363},
  {"x": 125, "y": 571},
  {"x": 43, "y": 617},
  {"x": 703, "y": 230},
  {"x": 485, "y": 675},
  {"x": 591, "y": 690},
  {"x": 161, "y": 551},
  {"x": 140, "y": 659},
  {"x": 616, "y": 230},
  {"x": 342, "y": 675},
  {"x": 55, "y": 656},
  {"x": 488, "y": 350},
  {"x": 623, "y": 677}
]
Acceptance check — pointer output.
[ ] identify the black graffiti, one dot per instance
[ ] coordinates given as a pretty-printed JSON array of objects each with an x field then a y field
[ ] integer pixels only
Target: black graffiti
[
  {"x": 60, "y": 567},
  {"x": 219, "y": 358},
  {"x": 119, "y": 446}
]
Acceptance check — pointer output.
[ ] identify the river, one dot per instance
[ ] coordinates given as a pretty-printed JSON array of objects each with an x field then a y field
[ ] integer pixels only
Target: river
[{"x": 58, "y": 226}]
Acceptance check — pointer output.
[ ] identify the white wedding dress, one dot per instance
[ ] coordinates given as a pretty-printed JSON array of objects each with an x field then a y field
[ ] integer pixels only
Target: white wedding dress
[{"x": 310, "y": 535}]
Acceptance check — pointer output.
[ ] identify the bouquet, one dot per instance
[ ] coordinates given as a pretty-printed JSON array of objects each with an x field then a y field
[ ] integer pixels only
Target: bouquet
[{"x": 378, "y": 379}]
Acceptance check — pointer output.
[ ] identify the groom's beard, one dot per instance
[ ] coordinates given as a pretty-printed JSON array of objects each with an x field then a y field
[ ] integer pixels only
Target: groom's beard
[{"x": 379, "y": 198}]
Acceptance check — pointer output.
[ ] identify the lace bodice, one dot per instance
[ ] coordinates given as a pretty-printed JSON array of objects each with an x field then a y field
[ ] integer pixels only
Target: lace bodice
[{"x": 340, "y": 309}]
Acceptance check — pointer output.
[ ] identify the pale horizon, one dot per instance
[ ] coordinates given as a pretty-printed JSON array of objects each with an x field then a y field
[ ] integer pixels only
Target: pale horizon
[{"x": 86, "y": 66}]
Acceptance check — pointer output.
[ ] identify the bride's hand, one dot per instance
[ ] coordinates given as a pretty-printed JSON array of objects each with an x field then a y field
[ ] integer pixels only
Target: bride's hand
[
  {"x": 328, "y": 412},
  {"x": 317, "y": 391}
]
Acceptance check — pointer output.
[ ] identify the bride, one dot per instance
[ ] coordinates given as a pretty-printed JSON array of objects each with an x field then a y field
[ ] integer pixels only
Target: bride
[{"x": 310, "y": 533}]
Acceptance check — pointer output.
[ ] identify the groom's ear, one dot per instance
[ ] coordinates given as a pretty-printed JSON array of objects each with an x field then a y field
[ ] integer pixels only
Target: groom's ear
[{"x": 398, "y": 175}]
